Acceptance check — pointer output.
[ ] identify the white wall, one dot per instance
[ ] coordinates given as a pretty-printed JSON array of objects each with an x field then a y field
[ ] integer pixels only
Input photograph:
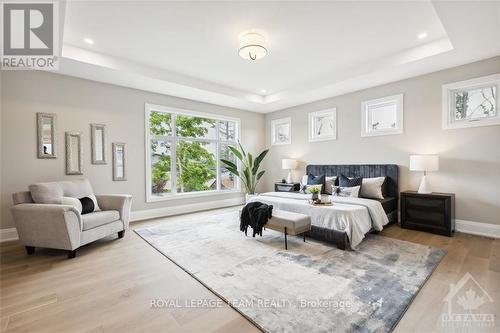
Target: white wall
[
  {"x": 78, "y": 103},
  {"x": 469, "y": 158}
]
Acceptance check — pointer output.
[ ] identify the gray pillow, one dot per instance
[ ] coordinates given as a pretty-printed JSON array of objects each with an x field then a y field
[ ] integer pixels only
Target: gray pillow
[
  {"x": 46, "y": 193},
  {"x": 372, "y": 188}
]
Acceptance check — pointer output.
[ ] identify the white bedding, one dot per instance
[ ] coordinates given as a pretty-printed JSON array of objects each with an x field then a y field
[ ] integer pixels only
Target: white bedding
[{"x": 355, "y": 216}]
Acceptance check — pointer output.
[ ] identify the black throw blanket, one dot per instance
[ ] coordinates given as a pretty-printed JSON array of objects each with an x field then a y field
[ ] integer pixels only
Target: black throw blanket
[{"x": 255, "y": 214}]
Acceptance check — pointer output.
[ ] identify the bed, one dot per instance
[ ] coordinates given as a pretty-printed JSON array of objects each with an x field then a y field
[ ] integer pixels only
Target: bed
[{"x": 348, "y": 220}]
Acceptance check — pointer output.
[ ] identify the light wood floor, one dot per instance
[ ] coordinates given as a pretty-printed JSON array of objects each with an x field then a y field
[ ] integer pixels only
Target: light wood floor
[{"x": 110, "y": 285}]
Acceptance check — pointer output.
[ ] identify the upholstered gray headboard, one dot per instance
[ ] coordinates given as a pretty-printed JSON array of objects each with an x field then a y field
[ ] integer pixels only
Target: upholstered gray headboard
[{"x": 391, "y": 171}]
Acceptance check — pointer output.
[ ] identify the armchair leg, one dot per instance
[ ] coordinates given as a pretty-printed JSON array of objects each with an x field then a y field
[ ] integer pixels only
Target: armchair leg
[
  {"x": 121, "y": 234},
  {"x": 71, "y": 254},
  {"x": 30, "y": 250}
]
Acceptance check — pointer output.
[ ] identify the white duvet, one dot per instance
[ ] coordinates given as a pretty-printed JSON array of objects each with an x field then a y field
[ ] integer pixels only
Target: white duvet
[{"x": 355, "y": 216}]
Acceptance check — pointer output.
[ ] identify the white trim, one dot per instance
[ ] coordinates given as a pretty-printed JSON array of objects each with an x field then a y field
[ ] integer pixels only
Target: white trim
[
  {"x": 447, "y": 97},
  {"x": 274, "y": 123},
  {"x": 478, "y": 228},
  {"x": 8, "y": 235},
  {"x": 147, "y": 214},
  {"x": 148, "y": 108},
  {"x": 312, "y": 115},
  {"x": 365, "y": 108}
]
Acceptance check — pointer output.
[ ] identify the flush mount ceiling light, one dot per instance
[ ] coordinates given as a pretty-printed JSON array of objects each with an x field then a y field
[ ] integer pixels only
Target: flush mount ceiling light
[
  {"x": 422, "y": 35},
  {"x": 252, "y": 46},
  {"x": 89, "y": 41}
]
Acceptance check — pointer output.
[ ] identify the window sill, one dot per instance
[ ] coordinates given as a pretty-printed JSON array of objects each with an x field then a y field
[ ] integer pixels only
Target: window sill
[{"x": 180, "y": 196}]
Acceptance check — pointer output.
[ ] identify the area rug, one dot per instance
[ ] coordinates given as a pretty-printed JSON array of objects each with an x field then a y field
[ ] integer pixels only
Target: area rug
[{"x": 311, "y": 287}]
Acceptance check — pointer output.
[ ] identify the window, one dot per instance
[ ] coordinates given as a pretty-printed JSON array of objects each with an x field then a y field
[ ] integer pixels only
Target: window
[
  {"x": 184, "y": 151},
  {"x": 383, "y": 116},
  {"x": 471, "y": 103}
]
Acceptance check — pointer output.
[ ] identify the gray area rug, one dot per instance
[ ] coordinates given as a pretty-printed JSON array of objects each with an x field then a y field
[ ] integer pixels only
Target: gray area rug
[{"x": 312, "y": 287}]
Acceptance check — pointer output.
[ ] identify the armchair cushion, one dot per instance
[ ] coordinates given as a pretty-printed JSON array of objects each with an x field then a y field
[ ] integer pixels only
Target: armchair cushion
[
  {"x": 46, "y": 193},
  {"x": 96, "y": 219}
]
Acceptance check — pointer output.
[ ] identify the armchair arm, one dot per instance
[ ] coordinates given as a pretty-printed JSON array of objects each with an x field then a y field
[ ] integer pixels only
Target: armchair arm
[
  {"x": 48, "y": 225},
  {"x": 119, "y": 202}
]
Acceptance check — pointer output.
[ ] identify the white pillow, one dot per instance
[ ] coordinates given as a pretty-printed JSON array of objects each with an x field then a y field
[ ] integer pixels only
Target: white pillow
[
  {"x": 72, "y": 202},
  {"x": 303, "y": 181},
  {"x": 306, "y": 189},
  {"x": 372, "y": 188},
  {"x": 352, "y": 192}
]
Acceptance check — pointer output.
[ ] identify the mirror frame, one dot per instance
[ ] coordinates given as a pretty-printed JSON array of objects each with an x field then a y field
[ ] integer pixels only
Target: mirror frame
[
  {"x": 93, "y": 131},
  {"x": 70, "y": 154},
  {"x": 39, "y": 120},
  {"x": 115, "y": 146}
]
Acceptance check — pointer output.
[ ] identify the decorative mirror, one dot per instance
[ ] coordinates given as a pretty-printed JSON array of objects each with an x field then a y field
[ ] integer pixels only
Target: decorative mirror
[
  {"x": 119, "y": 161},
  {"x": 98, "y": 143},
  {"x": 46, "y": 128},
  {"x": 74, "y": 158}
]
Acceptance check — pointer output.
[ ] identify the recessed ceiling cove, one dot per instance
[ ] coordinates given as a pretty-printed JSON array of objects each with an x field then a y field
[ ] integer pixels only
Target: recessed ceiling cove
[{"x": 316, "y": 50}]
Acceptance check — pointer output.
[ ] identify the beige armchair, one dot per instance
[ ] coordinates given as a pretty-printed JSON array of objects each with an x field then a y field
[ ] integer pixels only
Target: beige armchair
[{"x": 43, "y": 221}]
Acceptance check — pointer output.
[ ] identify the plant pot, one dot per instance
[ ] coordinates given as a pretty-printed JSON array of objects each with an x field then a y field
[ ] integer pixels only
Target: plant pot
[
  {"x": 248, "y": 196},
  {"x": 314, "y": 196}
]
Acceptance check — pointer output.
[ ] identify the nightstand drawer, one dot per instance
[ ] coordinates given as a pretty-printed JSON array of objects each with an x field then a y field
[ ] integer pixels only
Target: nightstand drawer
[{"x": 284, "y": 187}]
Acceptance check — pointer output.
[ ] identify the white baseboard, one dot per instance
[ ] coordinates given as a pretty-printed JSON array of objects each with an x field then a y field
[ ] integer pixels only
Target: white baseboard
[
  {"x": 8, "y": 234},
  {"x": 478, "y": 228},
  {"x": 147, "y": 214}
]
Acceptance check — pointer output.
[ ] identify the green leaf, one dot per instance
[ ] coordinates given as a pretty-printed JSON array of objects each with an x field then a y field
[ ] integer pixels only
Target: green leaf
[
  {"x": 241, "y": 147},
  {"x": 250, "y": 160},
  {"x": 258, "y": 160},
  {"x": 260, "y": 174},
  {"x": 229, "y": 164},
  {"x": 236, "y": 152}
]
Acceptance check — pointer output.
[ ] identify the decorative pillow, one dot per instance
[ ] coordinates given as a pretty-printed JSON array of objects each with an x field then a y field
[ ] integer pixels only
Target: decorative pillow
[
  {"x": 306, "y": 188},
  {"x": 372, "y": 188},
  {"x": 339, "y": 191},
  {"x": 316, "y": 180},
  {"x": 46, "y": 193},
  {"x": 76, "y": 203},
  {"x": 329, "y": 182},
  {"x": 89, "y": 204},
  {"x": 303, "y": 181},
  {"x": 350, "y": 182}
]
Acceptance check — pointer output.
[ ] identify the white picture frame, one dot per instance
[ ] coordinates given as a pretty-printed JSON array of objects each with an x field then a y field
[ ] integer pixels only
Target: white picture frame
[
  {"x": 449, "y": 95},
  {"x": 281, "y": 131},
  {"x": 382, "y": 116},
  {"x": 323, "y": 125}
]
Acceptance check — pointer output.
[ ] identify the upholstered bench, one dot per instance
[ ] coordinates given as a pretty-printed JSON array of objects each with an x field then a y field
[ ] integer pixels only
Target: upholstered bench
[{"x": 289, "y": 223}]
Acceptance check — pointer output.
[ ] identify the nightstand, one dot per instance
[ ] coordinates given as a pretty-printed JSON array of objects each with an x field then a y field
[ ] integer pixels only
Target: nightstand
[
  {"x": 432, "y": 212},
  {"x": 284, "y": 187}
]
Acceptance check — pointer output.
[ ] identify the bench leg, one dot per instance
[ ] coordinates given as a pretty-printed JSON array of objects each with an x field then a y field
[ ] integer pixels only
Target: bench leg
[
  {"x": 286, "y": 244},
  {"x": 304, "y": 237}
]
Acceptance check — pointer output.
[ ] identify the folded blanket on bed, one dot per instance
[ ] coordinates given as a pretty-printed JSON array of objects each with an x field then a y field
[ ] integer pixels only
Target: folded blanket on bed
[{"x": 255, "y": 214}]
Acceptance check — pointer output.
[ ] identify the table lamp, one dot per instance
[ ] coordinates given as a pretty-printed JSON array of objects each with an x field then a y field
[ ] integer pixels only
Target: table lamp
[
  {"x": 289, "y": 164},
  {"x": 424, "y": 163}
]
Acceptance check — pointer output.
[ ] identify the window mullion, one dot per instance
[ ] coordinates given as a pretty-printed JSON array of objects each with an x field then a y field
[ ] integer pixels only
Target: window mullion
[
  {"x": 217, "y": 157},
  {"x": 173, "y": 156}
]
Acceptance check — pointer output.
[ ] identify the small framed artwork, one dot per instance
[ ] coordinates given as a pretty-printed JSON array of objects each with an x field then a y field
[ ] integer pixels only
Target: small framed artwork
[
  {"x": 323, "y": 125},
  {"x": 119, "y": 161},
  {"x": 281, "y": 131},
  {"x": 382, "y": 116},
  {"x": 98, "y": 143}
]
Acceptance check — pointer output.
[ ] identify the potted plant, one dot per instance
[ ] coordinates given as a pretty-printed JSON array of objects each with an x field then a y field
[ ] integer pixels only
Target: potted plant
[
  {"x": 314, "y": 190},
  {"x": 249, "y": 172}
]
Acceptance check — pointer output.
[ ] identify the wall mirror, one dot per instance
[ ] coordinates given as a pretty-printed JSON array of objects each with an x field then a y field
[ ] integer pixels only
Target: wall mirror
[
  {"x": 46, "y": 128},
  {"x": 98, "y": 143},
  {"x": 119, "y": 161},
  {"x": 74, "y": 158}
]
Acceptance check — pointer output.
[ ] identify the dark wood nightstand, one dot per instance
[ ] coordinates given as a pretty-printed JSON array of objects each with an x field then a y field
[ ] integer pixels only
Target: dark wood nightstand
[
  {"x": 433, "y": 212},
  {"x": 284, "y": 187}
]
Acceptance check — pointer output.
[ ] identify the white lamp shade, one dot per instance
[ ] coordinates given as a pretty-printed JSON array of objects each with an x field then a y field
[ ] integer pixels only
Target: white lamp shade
[
  {"x": 288, "y": 164},
  {"x": 424, "y": 162}
]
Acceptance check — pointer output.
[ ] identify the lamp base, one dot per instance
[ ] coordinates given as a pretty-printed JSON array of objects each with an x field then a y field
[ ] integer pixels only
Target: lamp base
[
  {"x": 289, "y": 179},
  {"x": 424, "y": 186}
]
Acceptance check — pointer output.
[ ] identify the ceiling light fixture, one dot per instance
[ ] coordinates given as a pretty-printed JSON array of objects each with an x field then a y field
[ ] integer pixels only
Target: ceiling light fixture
[
  {"x": 422, "y": 35},
  {"x": 252, "y": 46},
  {"x": 89, "y": 41}
]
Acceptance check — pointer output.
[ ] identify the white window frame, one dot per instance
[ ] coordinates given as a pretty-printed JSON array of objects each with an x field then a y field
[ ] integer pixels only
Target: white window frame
[
  {"x": 366, "y": 106},
  {"x": 277, "y": 122},
  {"x": 448, "y": 111},
  {"x": 173, "y": 138},
  {"x": 312, "y": 115}
]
